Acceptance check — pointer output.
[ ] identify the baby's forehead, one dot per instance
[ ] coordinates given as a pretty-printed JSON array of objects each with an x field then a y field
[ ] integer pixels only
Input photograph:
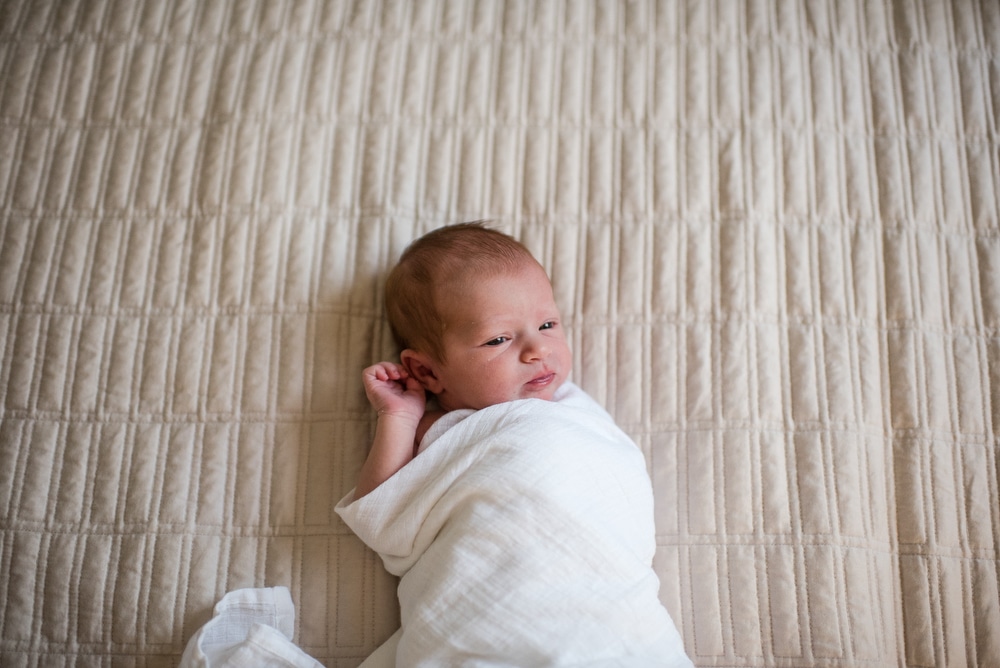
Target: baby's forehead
[
  {"x": 490, "y": 288},
  {"x": 485, "y": 297}
]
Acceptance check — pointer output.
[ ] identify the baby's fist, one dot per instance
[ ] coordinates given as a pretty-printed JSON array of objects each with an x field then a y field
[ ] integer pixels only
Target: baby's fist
[{"x": 391, "y": 390}]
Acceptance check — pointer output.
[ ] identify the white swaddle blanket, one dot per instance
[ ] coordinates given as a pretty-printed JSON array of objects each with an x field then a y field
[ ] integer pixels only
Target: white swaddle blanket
[{"x": 523, "y": 535}]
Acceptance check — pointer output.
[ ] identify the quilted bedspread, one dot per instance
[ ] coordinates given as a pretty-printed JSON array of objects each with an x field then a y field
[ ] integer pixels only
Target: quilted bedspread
[{"x": 773, "y": 228}]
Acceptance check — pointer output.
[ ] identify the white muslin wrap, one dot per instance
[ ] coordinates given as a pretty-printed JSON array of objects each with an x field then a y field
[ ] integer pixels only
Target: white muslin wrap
[
  {"x": 249, "y": 627},
  {"x": 523, "y": 535}
]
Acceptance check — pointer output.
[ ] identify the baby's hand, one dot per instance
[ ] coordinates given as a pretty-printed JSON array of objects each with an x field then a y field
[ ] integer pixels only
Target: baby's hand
[{"x": 392, "y": 390}]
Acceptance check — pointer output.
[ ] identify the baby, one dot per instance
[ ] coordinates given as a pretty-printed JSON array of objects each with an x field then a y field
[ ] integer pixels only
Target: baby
[
  {"x": 475, "y": 316},
  {"x": 523, "y": 530}
]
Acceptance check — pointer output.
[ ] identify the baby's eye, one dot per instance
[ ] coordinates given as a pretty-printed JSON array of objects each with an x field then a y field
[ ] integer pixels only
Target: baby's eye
[
  {"x": 549, "y": 325},
  {"x": 500, "y": 340}
]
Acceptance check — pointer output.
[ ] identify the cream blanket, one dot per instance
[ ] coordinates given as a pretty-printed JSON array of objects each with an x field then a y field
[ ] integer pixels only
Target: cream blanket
[{"x": 523, "y": 534}]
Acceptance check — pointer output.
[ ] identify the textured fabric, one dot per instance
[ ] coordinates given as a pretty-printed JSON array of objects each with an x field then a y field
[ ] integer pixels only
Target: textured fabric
[
  {"x": 249, "y": 627},
  {"x": 773, "y": 227},
  {"x": 523, "y": 536}
]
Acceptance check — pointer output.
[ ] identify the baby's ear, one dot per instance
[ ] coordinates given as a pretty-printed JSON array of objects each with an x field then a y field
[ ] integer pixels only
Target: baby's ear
[{"x": 422, "y": 367}]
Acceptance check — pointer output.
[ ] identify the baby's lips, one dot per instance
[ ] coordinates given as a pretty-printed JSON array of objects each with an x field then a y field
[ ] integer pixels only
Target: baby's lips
[{"x": 543, "y": 379}]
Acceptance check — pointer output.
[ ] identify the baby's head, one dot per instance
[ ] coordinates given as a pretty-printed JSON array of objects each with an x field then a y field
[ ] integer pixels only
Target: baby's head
[{"x": 474, "y": 314}]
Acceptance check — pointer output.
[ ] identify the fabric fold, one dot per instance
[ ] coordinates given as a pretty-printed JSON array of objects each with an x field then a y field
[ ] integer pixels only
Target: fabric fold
[{"x": 249, "y": 627}]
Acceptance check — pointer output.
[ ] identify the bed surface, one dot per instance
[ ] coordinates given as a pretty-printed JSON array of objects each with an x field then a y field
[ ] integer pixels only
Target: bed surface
[{"x": 773, "y": 227}]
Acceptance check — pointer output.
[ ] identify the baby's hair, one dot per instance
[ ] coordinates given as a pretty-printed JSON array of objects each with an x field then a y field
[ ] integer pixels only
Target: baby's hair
[{"x": 442, "y": 255}]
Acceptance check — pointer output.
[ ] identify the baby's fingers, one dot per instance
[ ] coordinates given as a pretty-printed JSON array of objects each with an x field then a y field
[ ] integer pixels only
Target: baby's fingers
[
  {"x": 386, "y": 371},
  {"x": 412, "y": 385}
]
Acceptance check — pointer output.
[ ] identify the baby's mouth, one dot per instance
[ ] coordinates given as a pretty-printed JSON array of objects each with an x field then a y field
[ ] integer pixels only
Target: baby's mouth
[{"x": 542, "y": 380}]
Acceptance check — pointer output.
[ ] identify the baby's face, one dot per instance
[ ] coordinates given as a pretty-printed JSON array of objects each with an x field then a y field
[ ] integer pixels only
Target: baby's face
[{"x": 503, "y": 340}]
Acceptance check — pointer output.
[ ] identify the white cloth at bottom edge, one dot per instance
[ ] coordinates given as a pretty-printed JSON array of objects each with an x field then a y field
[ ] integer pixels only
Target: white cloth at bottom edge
[{"x": 249, "y": 627}]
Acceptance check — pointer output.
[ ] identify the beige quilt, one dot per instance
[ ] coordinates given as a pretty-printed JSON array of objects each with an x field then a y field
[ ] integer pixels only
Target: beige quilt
[{"x": 774, "y": 228}]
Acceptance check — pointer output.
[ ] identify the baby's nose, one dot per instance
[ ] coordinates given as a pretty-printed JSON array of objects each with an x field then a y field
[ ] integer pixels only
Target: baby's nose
[{"x": 535, "y": 349}]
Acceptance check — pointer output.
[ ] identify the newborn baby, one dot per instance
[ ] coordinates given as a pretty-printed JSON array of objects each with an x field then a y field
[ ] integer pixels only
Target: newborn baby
[{"x": 517, "y": 515}]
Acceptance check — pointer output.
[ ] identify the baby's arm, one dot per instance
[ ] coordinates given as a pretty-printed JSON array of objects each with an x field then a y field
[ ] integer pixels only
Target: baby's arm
[
  {"x": 429, "y": 418},
  {"x": 400, "y": 402}
]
